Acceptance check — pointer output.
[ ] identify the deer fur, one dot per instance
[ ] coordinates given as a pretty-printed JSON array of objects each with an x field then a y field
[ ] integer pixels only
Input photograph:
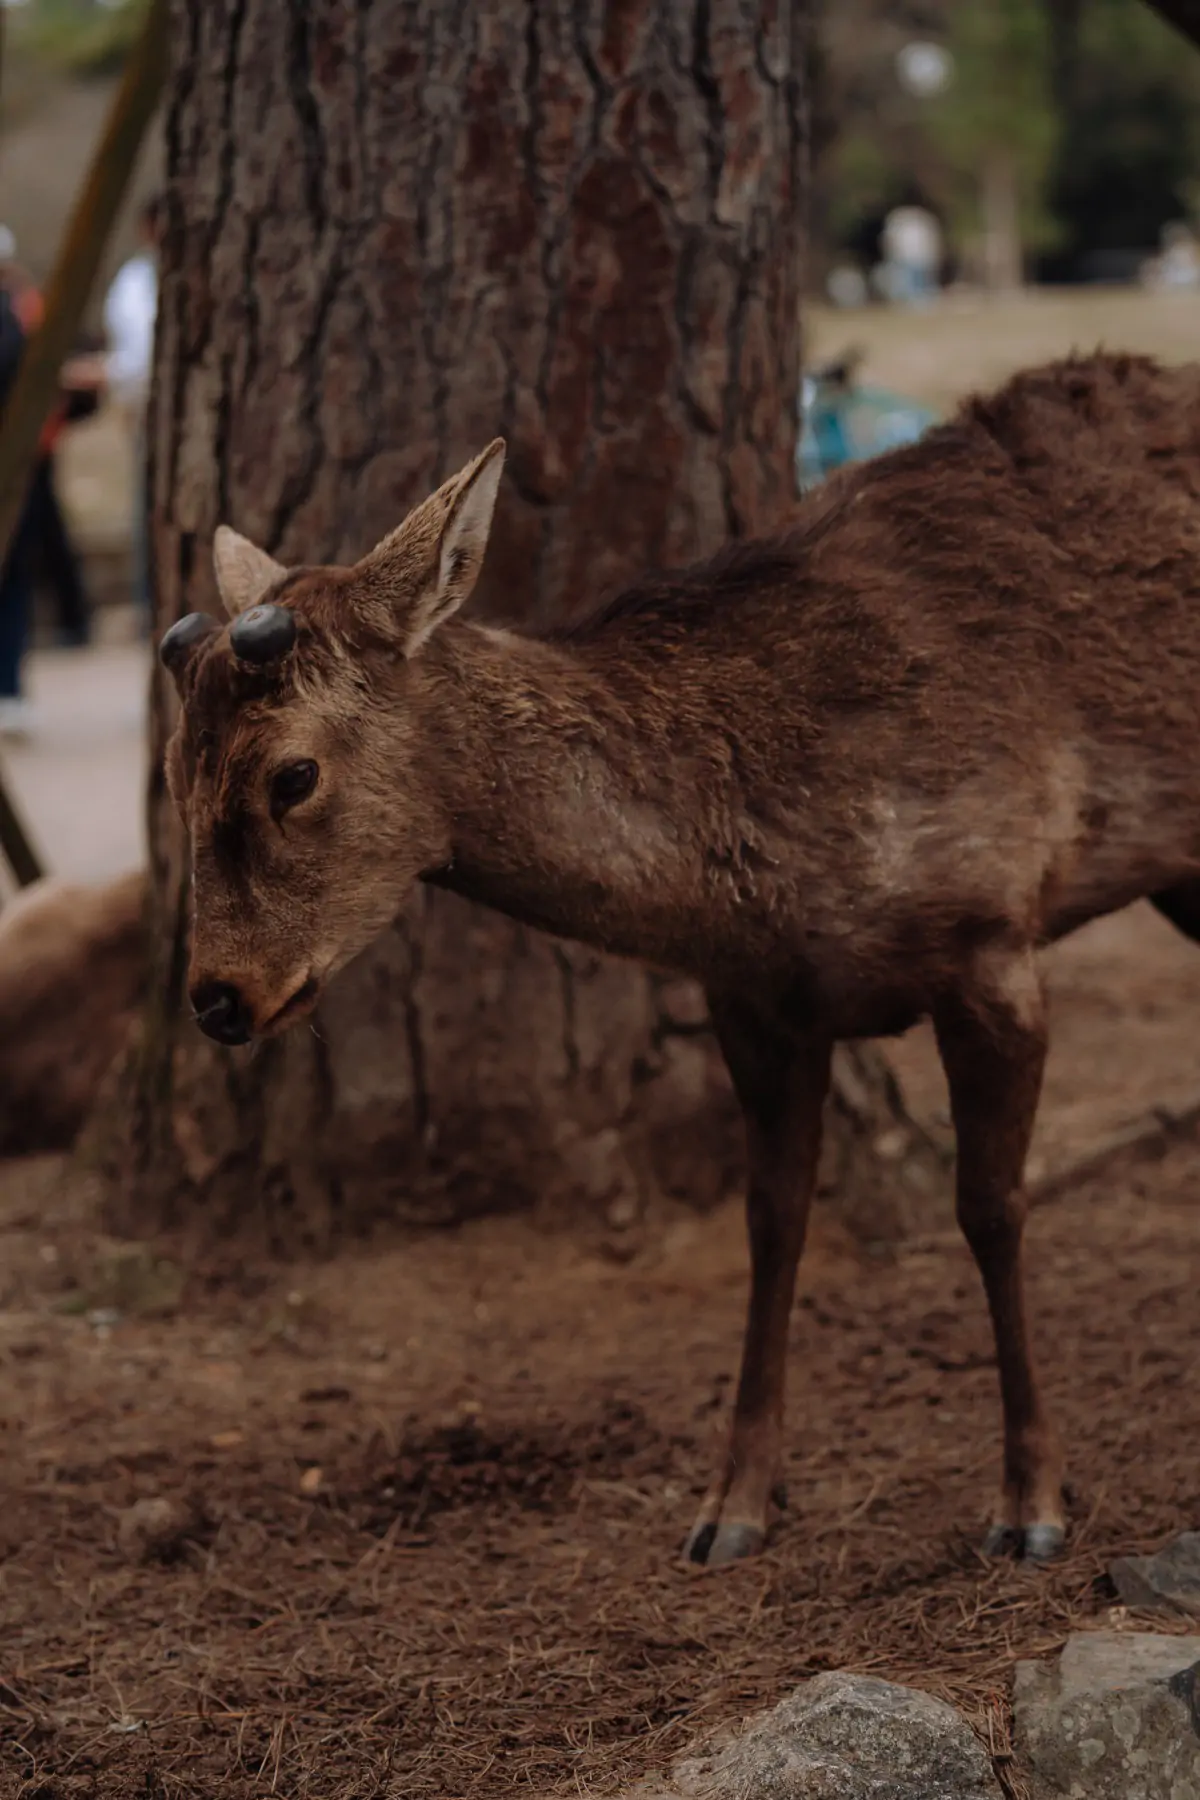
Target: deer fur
[
  {"x": 847, "y": 777},
  {"x": 73, "y": 963}
]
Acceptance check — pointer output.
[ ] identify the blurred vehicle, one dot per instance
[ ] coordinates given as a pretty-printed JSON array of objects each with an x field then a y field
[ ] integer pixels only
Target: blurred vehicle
[{"x": 843, "y": 421}]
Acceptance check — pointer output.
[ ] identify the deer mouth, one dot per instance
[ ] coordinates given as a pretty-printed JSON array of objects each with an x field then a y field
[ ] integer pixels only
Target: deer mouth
[{"x": 297, "y": 1004}]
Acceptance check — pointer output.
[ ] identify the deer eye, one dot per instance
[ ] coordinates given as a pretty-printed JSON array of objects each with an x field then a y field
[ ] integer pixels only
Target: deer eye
[{"x": 292, "y": 785}]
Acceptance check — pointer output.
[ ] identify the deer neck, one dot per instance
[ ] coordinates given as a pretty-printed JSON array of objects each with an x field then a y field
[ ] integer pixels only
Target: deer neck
[{"x": 561, "y": 791}]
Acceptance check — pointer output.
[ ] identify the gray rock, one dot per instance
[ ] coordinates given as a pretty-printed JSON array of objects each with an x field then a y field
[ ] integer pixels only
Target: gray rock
[
  {"x": 158, "y": 1530},
  {"x": 1116, "y": 1717},
  {"x": 1169, "y": 1581},
  {"x": 847, "y": 1737}
]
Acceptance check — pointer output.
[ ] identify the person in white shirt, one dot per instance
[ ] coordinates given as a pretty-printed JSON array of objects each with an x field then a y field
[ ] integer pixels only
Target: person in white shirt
[
  {"x": 130, "y": 314},
  {"x": 130, "y": 309},
  {"x": 912, "y": 245}
]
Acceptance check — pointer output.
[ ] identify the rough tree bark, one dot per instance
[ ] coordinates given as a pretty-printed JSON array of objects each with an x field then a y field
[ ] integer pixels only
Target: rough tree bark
[{"x": 396, "y": 231}]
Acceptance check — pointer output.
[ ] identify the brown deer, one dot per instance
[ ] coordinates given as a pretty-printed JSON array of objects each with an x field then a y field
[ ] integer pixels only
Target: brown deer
[{"x": 846, "y": 777}]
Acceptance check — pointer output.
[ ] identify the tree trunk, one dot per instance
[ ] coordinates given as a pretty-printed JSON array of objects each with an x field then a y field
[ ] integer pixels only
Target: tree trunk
[
  {"x": 1064, "y": 18},
  {"x": 999, "y": 204},
  {"x": 396, "y": 231}
]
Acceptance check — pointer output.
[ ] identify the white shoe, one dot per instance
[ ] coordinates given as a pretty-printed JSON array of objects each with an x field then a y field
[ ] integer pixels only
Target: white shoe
[{"x": 17, "y": 716}]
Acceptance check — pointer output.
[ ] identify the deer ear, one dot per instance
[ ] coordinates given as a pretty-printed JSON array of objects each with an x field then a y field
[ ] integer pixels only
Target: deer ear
[
  {"x": 244, "y": 572},
  {"x": 426, "y": 568}
]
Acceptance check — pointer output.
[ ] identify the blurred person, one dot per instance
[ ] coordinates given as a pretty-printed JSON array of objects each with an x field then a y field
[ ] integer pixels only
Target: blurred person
[
  {"x": 17, "y": 282},
  {"x": 846, "y": 287},
  {"x": 912, "y": 248},
  {"x": 14, "y": 577},
  {"x": 1177, "y": 267},
  {"x": 130, "y": 313},
  {"x": 48, "y": 541},
  {"x": 123, "y": 372}
]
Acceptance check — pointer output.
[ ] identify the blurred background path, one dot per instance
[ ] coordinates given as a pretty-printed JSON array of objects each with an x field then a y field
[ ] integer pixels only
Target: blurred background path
[{"x": 79, "y": 776}]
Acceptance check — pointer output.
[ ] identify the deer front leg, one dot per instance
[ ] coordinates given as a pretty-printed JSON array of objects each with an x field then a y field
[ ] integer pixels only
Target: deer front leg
[
  {"x": 992, "y": 1039},
  {"x": 781, "y": 1081}
]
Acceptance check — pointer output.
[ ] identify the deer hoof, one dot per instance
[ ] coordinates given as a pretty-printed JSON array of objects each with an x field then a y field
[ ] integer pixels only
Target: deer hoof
[
  {"x": 716, "y": 1544},
  {"x": 1043, "y": 1542},
  {"x": 1035, "y": 1543}
]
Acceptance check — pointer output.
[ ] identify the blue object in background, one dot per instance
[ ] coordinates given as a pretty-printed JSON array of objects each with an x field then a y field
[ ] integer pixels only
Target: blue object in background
[{"x": 842, "y": 423}]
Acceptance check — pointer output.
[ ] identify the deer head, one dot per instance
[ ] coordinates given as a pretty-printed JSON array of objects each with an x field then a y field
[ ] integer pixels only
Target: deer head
[{"x": 305, "y": 764}]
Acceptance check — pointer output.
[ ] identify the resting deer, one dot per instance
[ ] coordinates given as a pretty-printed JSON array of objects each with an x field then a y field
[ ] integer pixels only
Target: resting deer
[{"x": 848, "y": 777}]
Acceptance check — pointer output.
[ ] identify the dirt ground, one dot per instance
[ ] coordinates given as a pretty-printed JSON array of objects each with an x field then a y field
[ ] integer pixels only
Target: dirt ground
[{"x": 426, "y": 1499}]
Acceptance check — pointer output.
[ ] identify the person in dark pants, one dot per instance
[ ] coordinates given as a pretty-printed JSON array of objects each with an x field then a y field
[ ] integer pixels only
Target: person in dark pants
[
  {"x": 50, "y": 552},
  {"x": 15, "y": 597},
  {"x": 14, "y": 578},
  {"x": 54, "y": 557}
]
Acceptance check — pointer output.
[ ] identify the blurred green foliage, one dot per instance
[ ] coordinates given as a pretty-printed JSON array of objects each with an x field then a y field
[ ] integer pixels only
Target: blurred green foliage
[
  {"x": 1095, "y": 104},
  {"x": 1129, "y": 154},
  {"x": 998, "y": 106},
  {"x": 78, "y": 37}
]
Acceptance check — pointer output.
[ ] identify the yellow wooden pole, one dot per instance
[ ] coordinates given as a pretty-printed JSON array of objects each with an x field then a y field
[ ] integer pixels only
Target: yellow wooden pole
[
  {"x": 19, "y": 853},
  {"x": 36, "y": 387}
]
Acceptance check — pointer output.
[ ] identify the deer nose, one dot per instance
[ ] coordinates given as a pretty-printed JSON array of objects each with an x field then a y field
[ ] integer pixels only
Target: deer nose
[{"x": 221, "y": 1013}]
